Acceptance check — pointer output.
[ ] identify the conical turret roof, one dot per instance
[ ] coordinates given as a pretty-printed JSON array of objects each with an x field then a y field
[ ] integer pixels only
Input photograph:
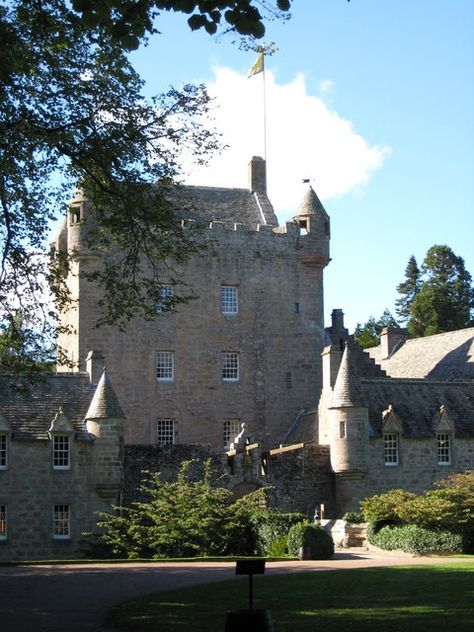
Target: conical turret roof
[
  {"x": 347, "y": 389},
  {"x": 311, "y": 205},
  {"x": 104, "y": 404}
]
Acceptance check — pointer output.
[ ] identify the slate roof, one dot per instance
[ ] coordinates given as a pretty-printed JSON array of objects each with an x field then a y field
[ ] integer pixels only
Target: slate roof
[
  {"x": 219, "y": 204},
  {"x": 30, "y": 412},
  {"x": 311, "y": 205},
  {"x": 448, "y": 356},
  {"x": 347, "y": 389},
  {"x": 417, "y": 404},
  {"x": 104, "y": 404}
]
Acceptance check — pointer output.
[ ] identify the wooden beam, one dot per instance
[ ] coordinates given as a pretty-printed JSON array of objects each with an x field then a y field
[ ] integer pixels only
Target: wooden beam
[
  {"x": 250, "y": 446},
  {"x": 286, "y": 448}
]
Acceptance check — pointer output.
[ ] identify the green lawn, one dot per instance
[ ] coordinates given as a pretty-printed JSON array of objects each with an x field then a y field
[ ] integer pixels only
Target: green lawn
[{"x": 424, "y": 598}]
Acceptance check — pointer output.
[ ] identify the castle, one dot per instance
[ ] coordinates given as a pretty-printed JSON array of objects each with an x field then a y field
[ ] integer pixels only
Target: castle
[{"x": 327, "y": 423}]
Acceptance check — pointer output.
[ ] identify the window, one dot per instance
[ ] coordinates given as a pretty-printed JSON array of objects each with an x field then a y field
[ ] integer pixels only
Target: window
[
  {"x": 444, "y": 448},
  {"x": 3, "y": 522},
  {"x": 61, "y": 522},
  {"x": 229, "y": 299},
  {"x": 75, "y": 214},
  {"x": 61, "y": 452},
  {"x": 230, "y": 366},
  {"x": 165, "y": 303},
  {"x": 165, "y": 431},
  {"x": 3, "y": 452},
  {"x": 342, "y": 430},
  {"x": 390, "y": 445},
  {"x": 231, "y": 430},
  {"x": 165, "y": 366}
]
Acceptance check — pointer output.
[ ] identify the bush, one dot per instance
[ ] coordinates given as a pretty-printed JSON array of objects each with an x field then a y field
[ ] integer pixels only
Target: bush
[
  {"x": 313, "y": 539},
  {"x": 417, "y": 540},
  {"x": 278, "y": 548},
  {"x": 270, "y": 526},
  {"x": 355, "y": 517}
]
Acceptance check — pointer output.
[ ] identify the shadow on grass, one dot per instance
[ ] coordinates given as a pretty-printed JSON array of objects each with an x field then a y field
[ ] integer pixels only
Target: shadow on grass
[{"x": 395, "y": 599}]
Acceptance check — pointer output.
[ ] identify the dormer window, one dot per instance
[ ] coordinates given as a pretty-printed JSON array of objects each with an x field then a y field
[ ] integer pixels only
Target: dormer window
[
  {"x": 390, "y": 448},
  {"x": 444, "y": 448},
  {"x": 61, "y": 452}
]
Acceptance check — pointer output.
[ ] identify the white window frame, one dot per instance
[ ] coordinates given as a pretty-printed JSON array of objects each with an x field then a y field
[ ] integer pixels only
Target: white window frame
[
  {"x": 3, "y": 451},
  {"x": 443, "y": 443},
  {"x": 165, "y": 366},
  {"x": 3, "y": 522},
  {"x": 229, "y": 300},
  {"x": 230, "y": 366},
  {"x": 165, "y": 431},
  {"x": 163, "y": 306},
  {"x": 62, "y": 521},
  {"x": 391, "y": 449},
  {"x": 61, "y": 451},
  {"x": 230, "y": 429}
]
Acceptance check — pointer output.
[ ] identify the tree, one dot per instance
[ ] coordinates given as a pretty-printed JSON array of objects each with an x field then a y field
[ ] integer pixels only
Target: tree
[
  {"x": 72, "y": 115},
  {"x": 129, "y": 21},
  {"x": 445, "y": 299},
  {"x": 186, "y": 517},
  {"x": 21, "y": 350},
  {"x": 408, "y": 289},
  {"x": 368, "y": 335}
]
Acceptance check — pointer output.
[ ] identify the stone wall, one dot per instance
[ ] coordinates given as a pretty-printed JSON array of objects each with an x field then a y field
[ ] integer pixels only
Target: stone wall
[
  {"x": 278, "y": 334},
  {"x": 416, "y": 472},
  {"x": 30, "y": 488},
  {"x": 296, "y": 481}
]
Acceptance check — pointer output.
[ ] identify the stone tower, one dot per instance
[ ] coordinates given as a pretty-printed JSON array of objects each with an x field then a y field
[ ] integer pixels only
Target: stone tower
[{"x": 247, "y": 349}]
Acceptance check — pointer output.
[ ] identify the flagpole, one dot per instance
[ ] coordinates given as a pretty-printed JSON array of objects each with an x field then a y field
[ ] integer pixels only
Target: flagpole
[{"x": 264, "y": 112}]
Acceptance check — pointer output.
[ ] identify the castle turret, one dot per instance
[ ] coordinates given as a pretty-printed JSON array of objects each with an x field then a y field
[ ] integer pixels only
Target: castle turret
[
  {"x": 104, "y": 420},
  {"x": 314, "y": 223},
  {"x": 348, "y": 421}
]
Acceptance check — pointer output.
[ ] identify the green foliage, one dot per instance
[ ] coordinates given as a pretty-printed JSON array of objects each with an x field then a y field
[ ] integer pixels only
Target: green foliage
[
  {"x": 278, "y": 548},
  {"x": 385, "y": 507},
  {"x": 355, "y": 517},
  {"x": 368, "y": 335},
  {"x": 311, "y": 538},
  {"x": 439, "y": 299},
  {"x": 271, "y": 526},
  {"x": 408, "y": 289},
  {"x": 21, "y": 349},
  {"x": 183, "y": 518},
  {"x": 412, "y": 538},
  {"x": 448, "y": 509},
  {"x": 128, "y": 21}
]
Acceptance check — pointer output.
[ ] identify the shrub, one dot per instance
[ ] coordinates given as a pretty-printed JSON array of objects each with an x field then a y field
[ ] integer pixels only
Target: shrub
[
  {"x": 312, "y": 538},
  {"x": 417, "y": 540},
  {"x": 385, "y": 507},
  {"x": 355, "y": 517},
  {"x": 278, "y": 548},
  {"x": 270, "y": 526}
]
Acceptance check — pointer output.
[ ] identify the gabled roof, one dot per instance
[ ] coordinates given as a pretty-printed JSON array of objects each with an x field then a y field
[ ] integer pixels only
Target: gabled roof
[
  {"x": 417, "y": 404},
  {"x": 448, "y": 356},
  {"x": 29, "y": 409},
  {"x": 227, "y": 205}
]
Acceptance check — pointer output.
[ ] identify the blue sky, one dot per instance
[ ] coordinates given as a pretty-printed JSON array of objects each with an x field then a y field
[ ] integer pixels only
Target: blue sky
[{"x": 374, "y": 101}]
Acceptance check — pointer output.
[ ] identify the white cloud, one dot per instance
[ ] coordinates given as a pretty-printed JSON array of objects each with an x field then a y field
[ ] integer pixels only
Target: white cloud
[{"x": 305, "y": 139}]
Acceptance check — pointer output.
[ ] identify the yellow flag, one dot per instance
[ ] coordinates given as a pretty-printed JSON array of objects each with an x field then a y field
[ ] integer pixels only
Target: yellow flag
[{"x": 258, "y": 66}]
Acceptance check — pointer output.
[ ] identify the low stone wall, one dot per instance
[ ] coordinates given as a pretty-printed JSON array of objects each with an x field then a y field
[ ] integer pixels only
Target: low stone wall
[
  {"x": 346, "y": 534},
  {"x": 300, "y": 480}
]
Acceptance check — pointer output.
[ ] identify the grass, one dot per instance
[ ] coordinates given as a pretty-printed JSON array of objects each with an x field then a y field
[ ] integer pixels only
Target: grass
[{"x": 408, "y": 598}]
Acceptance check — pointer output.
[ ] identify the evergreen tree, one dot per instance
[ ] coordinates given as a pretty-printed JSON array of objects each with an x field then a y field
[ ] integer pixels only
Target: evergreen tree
[
  {"x": 368, "y": 334},
  {"x": 446, "y": 296},
  {"x": 408, "y": 289}
]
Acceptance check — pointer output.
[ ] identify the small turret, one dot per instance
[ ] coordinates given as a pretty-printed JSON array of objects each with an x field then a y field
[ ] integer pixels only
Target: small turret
[
  {"x": 348, "y": 420},
  {"x": 105, "y": 419},
  {"x": 311, "y": 215}
]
